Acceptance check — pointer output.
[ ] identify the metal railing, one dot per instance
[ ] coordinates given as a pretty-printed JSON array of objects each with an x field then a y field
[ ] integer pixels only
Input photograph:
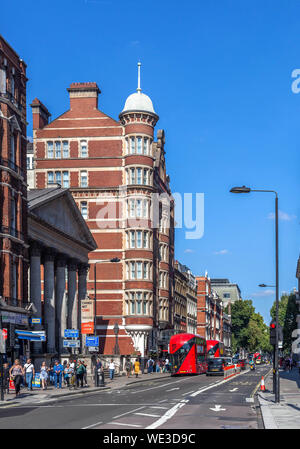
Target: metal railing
[{"x": 10, "y": 164}]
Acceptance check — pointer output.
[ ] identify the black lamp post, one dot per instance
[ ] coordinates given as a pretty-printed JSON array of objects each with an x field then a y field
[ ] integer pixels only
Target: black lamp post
[
  {"x": 264, "y": 285},
  {"x": 276, "y": 385},
  {"x": 116, "y": 331}
]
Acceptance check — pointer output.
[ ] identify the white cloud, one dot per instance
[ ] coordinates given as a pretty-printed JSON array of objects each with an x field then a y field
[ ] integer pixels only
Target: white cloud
[
  {"x": 263, "y": 293},
  {"x": 189, "y": 250},
  {"x": 282, "y": 216},
  {"x": 222, "y": 251}
]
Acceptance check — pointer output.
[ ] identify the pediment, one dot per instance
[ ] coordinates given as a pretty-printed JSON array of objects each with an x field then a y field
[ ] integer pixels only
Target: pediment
[{"x": 62, "y": 213}]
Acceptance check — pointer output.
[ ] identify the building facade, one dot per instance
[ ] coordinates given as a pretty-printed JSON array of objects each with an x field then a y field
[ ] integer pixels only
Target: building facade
[
  {"x": 114, "y": 168},
  {"x": 180, "y": 299},
  {"x": 227, "y": 291},
  {"x": 209, "y": 310},
  {"x": 13, "y": 205}
]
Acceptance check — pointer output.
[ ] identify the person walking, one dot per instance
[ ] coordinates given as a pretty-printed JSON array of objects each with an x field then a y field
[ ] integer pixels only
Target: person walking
[
  {"x": 16, "y": 372},
  {"x": 29, "y": 374},
  {"x": 80, "y": 374},
  {"x": 6, "y": 377},
  {"x": 128, "y": 367},
  {"x": 85, "y": 374},
  {"x": 136, "y": 367},
  {"x": 58, "y": 372},
  {"x": 157, "y": 366},
  {"x": 167, "y": 365},
  {"x": 44, "y": 375},
  {"x": 111, "y": 368},
  {"x": 150, "y": 366},
  {"x": 51, "y": 374}
]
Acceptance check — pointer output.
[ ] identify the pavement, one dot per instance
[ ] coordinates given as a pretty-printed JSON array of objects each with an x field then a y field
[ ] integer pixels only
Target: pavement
[
  {"x": 37, "y": 394},
  {"x": 286, "y": 413}
]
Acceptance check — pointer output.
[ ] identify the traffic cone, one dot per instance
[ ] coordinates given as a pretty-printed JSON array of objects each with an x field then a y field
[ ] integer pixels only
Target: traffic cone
[{"x": 262, "y": 384}]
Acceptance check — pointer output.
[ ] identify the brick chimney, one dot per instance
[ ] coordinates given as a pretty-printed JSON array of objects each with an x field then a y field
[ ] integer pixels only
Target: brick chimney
[
  {"x": 40, "y": 114},
  {"x": 83, "y": 96}
]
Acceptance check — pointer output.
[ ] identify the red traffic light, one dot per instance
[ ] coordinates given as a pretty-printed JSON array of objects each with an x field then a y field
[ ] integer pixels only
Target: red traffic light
[{"x": 272, "y": 326}]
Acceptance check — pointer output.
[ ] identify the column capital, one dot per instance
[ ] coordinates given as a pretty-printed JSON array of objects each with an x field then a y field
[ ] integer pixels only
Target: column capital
[
  {"x": 61, "y": 260},
  {"x": 72, "y": 264},
  {"x": 35, "y": 249},
  {"x": 83, "y": 269},
  {"x": 49, "y": 255}
]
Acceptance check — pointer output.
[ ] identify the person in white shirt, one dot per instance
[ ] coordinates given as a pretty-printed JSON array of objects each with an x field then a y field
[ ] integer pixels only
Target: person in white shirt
[
  {"x": 29, "y": 373},
  {"x": 111, "y": 368}
]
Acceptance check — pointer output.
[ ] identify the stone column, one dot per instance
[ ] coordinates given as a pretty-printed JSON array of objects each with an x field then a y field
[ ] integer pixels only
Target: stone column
[
  {"x": 35, "y": 289},
  {"x": 60, "y": 302},
  {"x": 49, "y": 300},
  {"x": 82, "y": 282},
  {"x": 72, "y": 321}
]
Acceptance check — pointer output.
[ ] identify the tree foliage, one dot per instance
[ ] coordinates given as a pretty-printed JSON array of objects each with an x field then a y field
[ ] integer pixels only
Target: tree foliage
[
  {"x": 287, "y": 313},
  {"x": 248, "y": 328}
]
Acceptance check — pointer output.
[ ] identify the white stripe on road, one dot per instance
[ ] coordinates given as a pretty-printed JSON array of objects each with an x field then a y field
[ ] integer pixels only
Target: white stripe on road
[
  {"x": 172, "y": 389},
  {"x": 168, "y": 415},
  {"x": 156, "y": 406},
  {"x": 92, "y": 425},
  {"x": 160, "y": 386},
  {"x": 127, "y": 413},
  {"x": 147, "y": 414},
  {"x": 123, "y": 424},
  {"x": 185, "y": 394}
]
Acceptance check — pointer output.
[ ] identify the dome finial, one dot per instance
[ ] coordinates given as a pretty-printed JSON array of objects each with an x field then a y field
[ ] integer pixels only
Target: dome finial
[{"x": 139, "y": 77}]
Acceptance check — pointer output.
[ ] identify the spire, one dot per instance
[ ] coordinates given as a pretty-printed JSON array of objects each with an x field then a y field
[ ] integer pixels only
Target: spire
[{"x": 139, "y": 78}]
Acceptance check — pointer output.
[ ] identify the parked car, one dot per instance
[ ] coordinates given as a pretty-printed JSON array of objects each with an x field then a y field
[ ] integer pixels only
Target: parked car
[{"x": 215, "y": 366}]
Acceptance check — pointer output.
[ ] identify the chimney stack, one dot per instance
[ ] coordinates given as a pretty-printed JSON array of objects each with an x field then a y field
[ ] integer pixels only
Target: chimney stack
[
  {"x": 83, "y": 96},
  {"x": 40, "y": 114}
]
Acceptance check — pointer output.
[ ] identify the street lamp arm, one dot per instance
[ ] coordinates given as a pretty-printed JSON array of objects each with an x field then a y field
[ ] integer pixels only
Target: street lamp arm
[{"x": 268, "y": 191}]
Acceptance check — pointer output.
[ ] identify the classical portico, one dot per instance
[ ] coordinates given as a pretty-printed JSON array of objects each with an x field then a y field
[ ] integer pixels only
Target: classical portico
[{"x": 60, "y": 242}]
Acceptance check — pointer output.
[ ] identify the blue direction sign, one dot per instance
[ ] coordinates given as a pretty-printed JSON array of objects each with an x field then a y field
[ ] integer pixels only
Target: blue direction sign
[
  {"x": 92, "y": 341},
  {"x": 71, "y": 343},
  {"x": 36, "y": 320},
  {"x": 71, "y": 333}
]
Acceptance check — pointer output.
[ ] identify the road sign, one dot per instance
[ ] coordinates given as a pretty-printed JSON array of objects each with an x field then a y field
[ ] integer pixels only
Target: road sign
[
  {"x": 4, "y": 331},
  {"x": 92, "y": 341},
  {"x": 87, "y": 328},
  {"x": 71, "y": 333},
  {"x": 36, "y": 320},
  {"x": 93, "y": 348},
  {"x": 71, "y": 343}
]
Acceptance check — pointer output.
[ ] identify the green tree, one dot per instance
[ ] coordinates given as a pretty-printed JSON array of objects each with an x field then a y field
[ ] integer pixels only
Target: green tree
[{"x": 287, "y": 313}]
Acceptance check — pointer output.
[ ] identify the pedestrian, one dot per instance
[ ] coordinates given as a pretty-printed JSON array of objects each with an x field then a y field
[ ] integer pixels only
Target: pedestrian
[
  {"x": 111, "y": 368},
  {"x": 16, "y": 372},
  {"x": 51, "y": 374},
  {"x": 29, "y": 373},
  {"x": 85, "y": 373},
  {"x": 67, "y": 374},
  {"x": 167, "y": 365},
  {"x": 128, "y": 367},
  {"x": 136, "y": 367},
  {"x": 44, "y": 375},
  {"x": 6, "y": 377},
  {"x": 73, "y": 381},
  {"x": 157, "y": 366},
  {"x": 80, "y": 373},
  {"x": 150, "y": 366},
  {"x": 58, "y": 372}
]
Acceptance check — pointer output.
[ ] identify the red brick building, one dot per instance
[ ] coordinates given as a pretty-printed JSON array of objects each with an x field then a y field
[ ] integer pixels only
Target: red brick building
[
  {"x": 209, "y": 311},
  {"x": 13, "y": 141},
  {"x": 113, "y": 167}
]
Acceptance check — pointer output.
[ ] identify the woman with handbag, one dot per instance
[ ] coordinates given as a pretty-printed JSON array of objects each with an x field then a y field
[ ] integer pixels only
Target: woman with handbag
[
  {"x": 44, "y": 375},
  {"x": 16, "y": 372}
]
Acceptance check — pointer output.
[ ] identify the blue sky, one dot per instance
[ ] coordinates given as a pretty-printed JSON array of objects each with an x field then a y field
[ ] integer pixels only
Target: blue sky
[{"x": 219, "y": 76}]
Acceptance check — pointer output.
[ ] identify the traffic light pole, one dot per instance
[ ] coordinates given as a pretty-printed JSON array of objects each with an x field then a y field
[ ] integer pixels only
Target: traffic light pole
[{"x": 276, "y": 387}]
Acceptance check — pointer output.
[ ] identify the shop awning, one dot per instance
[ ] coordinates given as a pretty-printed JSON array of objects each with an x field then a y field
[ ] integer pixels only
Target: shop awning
[{"x": 31, "y": 335}]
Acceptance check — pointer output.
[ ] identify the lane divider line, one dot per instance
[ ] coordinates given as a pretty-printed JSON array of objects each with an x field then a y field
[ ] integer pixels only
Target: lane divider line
[
  {"x": 127, "y": 413},
  {"x": 123, "y": 424},
  {"x": 92, "y": 425}
]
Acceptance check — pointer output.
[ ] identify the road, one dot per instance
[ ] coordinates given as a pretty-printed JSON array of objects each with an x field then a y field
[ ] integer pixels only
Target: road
[{"x": 171, "y": 403}]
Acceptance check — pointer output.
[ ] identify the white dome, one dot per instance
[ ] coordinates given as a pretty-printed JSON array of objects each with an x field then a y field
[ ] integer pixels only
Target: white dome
[{"x": 138, "y": 102}]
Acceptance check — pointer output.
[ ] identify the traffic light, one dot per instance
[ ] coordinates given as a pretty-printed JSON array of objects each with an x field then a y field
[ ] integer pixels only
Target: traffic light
[{"x": 273, "y": 334}]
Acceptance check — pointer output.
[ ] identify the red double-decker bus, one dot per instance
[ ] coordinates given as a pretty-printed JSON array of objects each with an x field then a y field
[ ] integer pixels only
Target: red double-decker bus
[
  {"x": 214, "y": 348},
  {"x": 187, "y": 354}
]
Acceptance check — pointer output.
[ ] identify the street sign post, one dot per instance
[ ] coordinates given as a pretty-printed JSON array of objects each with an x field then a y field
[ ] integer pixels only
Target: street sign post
[
  {"x": 92, "y": 341},
  {"x": 71, "y": 333},
  {"x": 93, "y": 348},
  {"x": 71, "y": 343}
]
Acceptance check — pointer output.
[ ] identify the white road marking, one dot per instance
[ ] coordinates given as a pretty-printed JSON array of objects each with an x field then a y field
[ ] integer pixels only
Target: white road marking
[
  {"x": 233, "y": 390},
  {"x": 127, "y": 413},
  {"x": 92, "y": 425},
  {"x": 249, "y": 399},
  {"x": 166, "y": 416},
  {"x": 147, "y": 414},
  {"x": 172, "y": 389},
  {"x": 123, "y": 424},
  {"x": 217, "y": 408},
  {"x": 157, "y": 406},
  {"x": 160, "y": 386},
  {"x": 185, "y": 394}
]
